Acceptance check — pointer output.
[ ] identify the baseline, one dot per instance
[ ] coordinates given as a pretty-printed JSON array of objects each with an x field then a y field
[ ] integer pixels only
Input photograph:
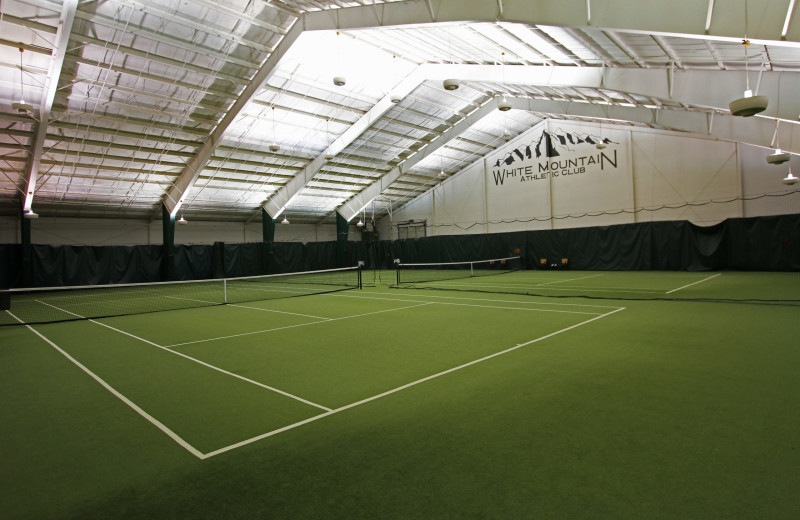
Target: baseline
[{"x": 152, "y": 420}]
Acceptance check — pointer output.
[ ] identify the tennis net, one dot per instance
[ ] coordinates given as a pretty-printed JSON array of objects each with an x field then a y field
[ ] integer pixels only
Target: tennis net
[
  {"x": 435, "y": 272},
  {"x": 56, "y": 304}
]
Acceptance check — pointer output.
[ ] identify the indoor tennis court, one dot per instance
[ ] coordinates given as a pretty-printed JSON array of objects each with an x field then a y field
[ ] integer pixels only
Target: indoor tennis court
[
  {"x": 399, "y": 260},
  {"x": 366, "y": 390}
]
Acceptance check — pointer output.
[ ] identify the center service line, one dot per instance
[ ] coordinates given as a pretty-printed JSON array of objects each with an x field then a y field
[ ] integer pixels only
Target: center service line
[{"x": 399, "y": 388}]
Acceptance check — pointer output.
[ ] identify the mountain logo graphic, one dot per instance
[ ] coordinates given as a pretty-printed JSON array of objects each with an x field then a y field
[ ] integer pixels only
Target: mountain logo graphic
[{"x": 552, "y": 144}]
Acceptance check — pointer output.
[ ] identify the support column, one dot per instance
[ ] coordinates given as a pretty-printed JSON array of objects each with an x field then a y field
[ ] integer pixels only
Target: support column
[
  {"x": 268, "y": 239},
  {"x": 342, "y": 227},
  {"x": 26, "y": 262},
  {"x": 168, "y": 247}
]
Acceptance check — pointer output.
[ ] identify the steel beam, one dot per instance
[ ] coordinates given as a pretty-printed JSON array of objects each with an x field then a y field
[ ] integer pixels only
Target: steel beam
[
  {"x": 177, "y": 193},
  {"x": 767, "y": 18},
  {"x": 65, "y": 22},
  {"x": 353, "y": 207}
]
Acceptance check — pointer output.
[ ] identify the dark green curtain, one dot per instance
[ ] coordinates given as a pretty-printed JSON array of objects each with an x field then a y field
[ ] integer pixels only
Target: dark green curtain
[
  {"x": 342, "y": 227},
  {"x": 268, "y": 239},
  {"x": 26, "y": 260},
  {"x": 168, "y": 233}
]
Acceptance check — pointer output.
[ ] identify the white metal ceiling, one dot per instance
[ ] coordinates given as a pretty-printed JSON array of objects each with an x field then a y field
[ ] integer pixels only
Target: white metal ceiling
[{"x": 181, "y": 102}]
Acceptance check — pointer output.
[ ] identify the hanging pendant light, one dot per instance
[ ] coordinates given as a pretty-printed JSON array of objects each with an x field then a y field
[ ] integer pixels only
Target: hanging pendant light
[
  {"x": 339, "y": 81},
  {"x": 329, "y": 155},
  {"x": 274, "y": 147},
  {"x": 749, "y": 105},
  {"x": 285, "y": 220},
  {"x": 778, "y": 157},
  {"x": 22, "y": 107},
  {"x": 790, "y": 179}
]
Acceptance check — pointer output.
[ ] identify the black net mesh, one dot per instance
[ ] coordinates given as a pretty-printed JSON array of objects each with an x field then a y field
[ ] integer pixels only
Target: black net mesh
[{"x": 47, "y": 305}]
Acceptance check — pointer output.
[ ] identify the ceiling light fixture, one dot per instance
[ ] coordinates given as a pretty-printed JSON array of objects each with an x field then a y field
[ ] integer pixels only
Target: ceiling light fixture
[
  {"x": 22, "y": 107},
  {"x": 749, "y": 105},
  {"x": 274, "y": 147},
  {"x": 790, "y": 179},
  {"x": 29, "y": 214},
  {"x": 182, "y": 221},
  {"x": 450, "y": 84},
  {"x": 504, "y": 105},
  {"x": 339, "y": 81},
  {"x": 328, "y": 155},
  {"x": 778, "y": 157},
  {"x": 285, "y": 220}
]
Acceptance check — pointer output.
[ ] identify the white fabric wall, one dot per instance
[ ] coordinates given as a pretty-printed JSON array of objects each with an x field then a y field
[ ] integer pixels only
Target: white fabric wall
[
  {"x": 650, "y": 169},
  {"x": 645, "y": 175},
  {"x": 759, "y": 180}
]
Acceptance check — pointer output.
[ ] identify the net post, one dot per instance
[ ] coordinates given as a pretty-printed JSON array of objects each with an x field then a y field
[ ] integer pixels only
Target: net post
[
  {"x": 225, "y": 290},
  {"x": 397, "y": 269},
  {"x": 471, "y": 269},
  {"x": 360, "y": 270}
]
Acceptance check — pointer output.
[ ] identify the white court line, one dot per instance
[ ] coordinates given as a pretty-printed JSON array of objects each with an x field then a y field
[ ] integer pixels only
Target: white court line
[
  {"x": 570, "y": 279},
  {"x": 207, "y": 365},
  {"x": 695, "y": 283},
  {"x": 573, "y": 288},
  {"x": 279, "y": 312},
  {"x": 476, "y": 305},
  {"x": 158, "y": 424},
  {"x": 246, "y": 307},
  {"x": 326, "y": 320},
  {"x": 526, "y": 302},
  {"x": 403, "y": 387}
]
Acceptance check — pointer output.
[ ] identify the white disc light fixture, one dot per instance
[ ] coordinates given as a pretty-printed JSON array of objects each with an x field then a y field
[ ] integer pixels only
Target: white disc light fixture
[
  {"x": 450, "y": 84},
  {"x": 778, "y": 157}
]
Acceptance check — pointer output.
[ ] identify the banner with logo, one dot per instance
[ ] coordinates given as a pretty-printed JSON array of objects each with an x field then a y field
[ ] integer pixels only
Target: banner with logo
[{"x": 560, "y": 170}]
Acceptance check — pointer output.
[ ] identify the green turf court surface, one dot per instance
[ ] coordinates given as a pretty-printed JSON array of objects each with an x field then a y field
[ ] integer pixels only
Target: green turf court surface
[{"x": 413, "y": 403}]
